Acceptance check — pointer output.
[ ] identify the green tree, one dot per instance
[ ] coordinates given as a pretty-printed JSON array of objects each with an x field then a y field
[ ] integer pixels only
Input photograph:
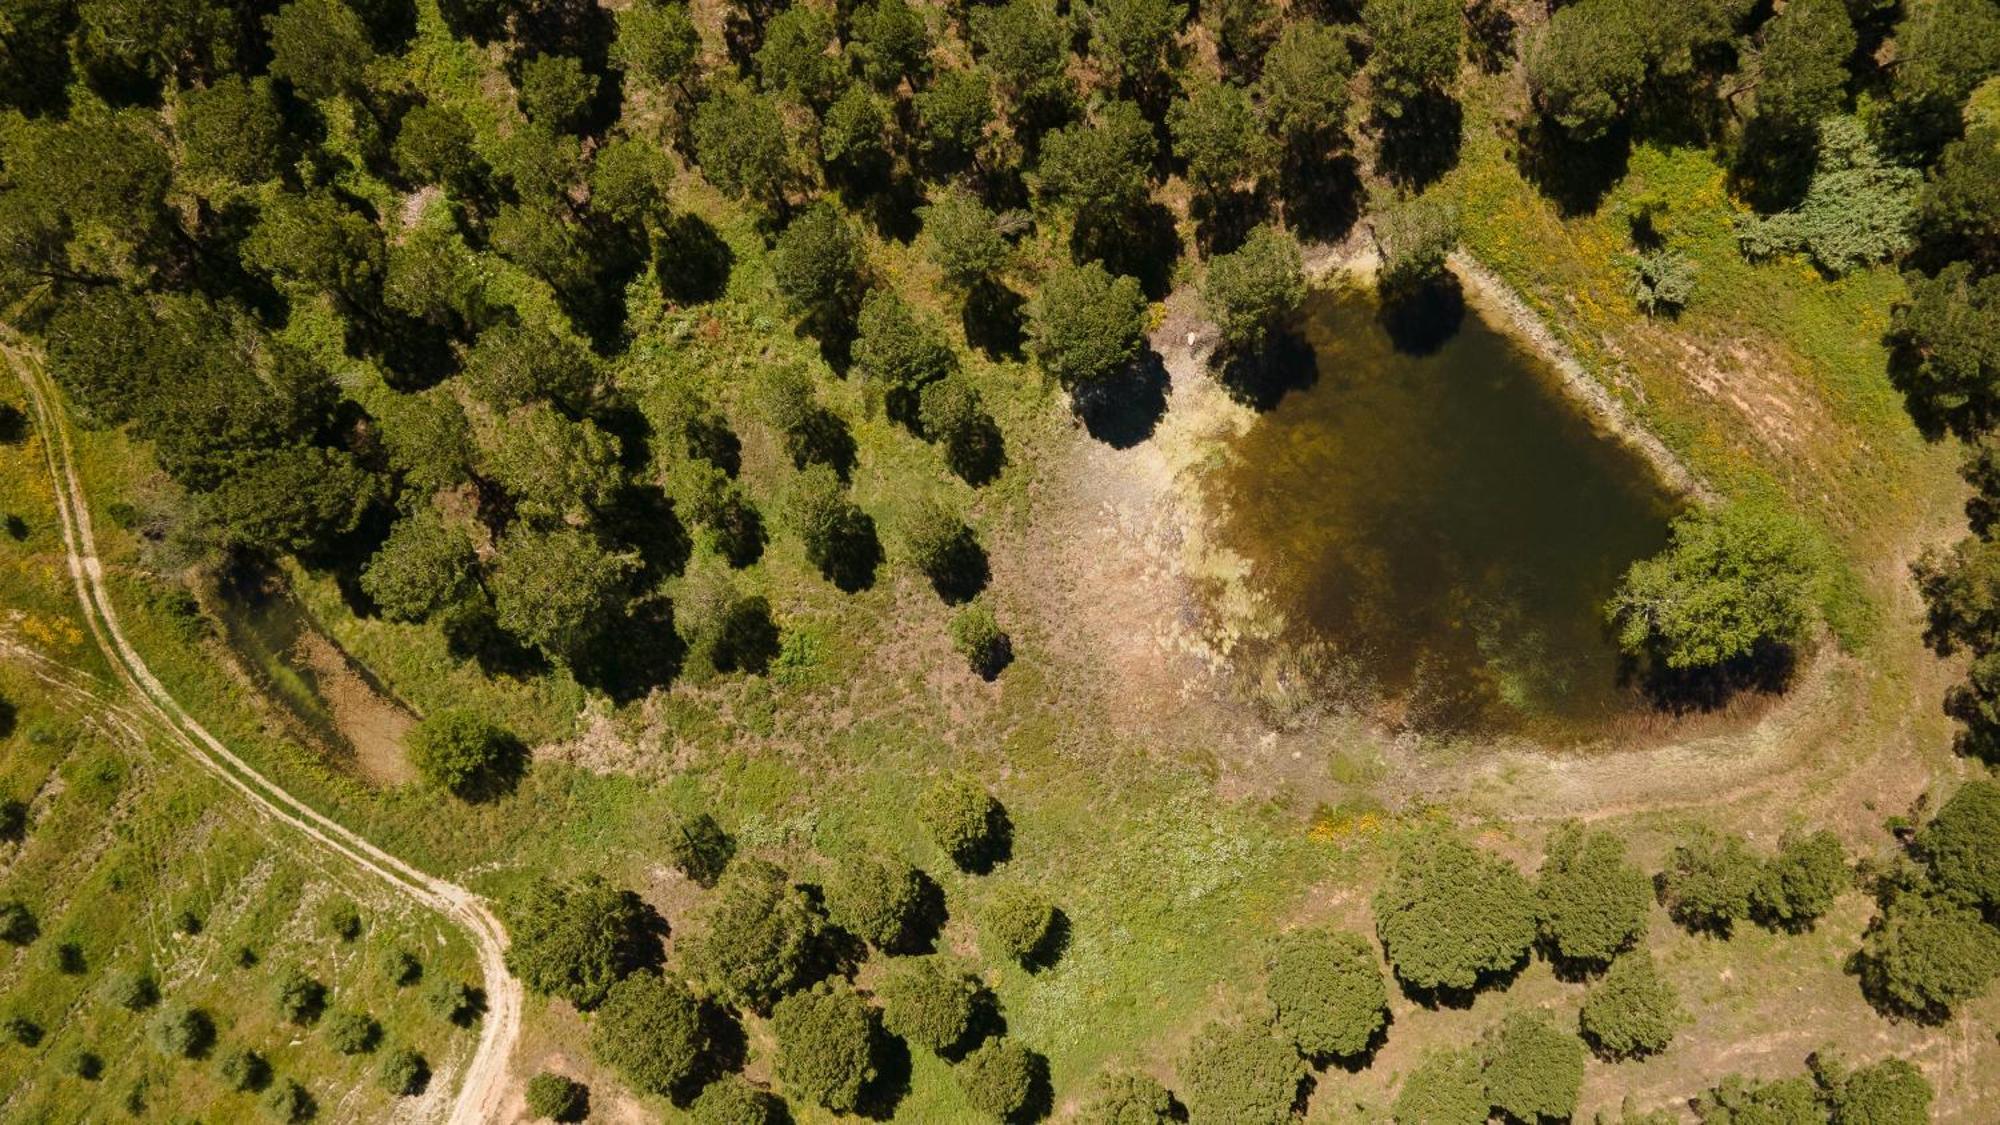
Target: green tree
[
  {"x": 183, "y": 1031},
  {"x": 1942, "y": 352},
  {"x": 733, "y": 1101},
  {"x": 795, "y": 58},
  {"x": 739, "y": 141},
  {"x": 1533, "y": 1070},
  {"x": 1415, "y": 240},
  {"x": 657, "y": 43},
  {"x": 432, "y": 276},
  {"x": 1740, "y": 1101},
  {"x": 1709, "y": 880},
  {"x": 817, "y": 263},
  {"x": 1100, "y": 166},
  {"x": 826, "y": 1045},
  {"x": 1136, "y": 36},
  {"x": 1802, "y": 69},
  {"x": 999, "y": 1077},
  {"x": 458, "y": 750},
  {"x": 1926, "y": 955},
  {"x": 1254, "y": 290},
  {"x": 423, "y": 566},
  {"x": 854, "y": 137},
  {"x": 1800, "y": 883},
  {"x": 290, "y": 1103},
  {"x": 353, "y": 1032},
  {"x": 557, "y": 589},
  {"x": 557, "y": 1097},
  {"x": 577, "y": 939},
  {"x": 1216, "y": 132},
  {"x": 650, "y": 1030},
  {"x": 1958, "y": 208},
  {"x": 321, "y": 47},
  {"x": 301, "y": 999},
  {"x": 428, "y": 439},
  {"x": 839, "y": 537},
  {"x": 17, "y": 923},
  {"x": 297, "y": 499},
  {"x": 1415, "y": 49},
  {"x": 1326, "y": 986},
  {"x": 1450, "y": 914},
  {"x": 85, "y": 201},
  {"x": 434, "y": 145},
  {"x": 316, "y": 242},
  {"x": 930, "y": 1001},
  {"x": 556, "y": 92},
  {"x": 244, "y": 1070},
  {"x": 753, "y": 940},
  {"x": 231, "y": 132},
  {"x": 1631, "y": 1012},
  {"x": 1019, "y": 923},
  {"x": 965, "y": 242},
  {"x": 899, "y": 351},
  {"x": 1086, "y": 325},
  {"x": 951, "y": 413},
  {"x": 938, "y": 543},
  {"x": 1587, "y": 65},
  {"x": 629, "y": 177},
  {"x": 1735, "y": 582},
  {"x": 512, "y": 365},
  {"x": 963, "y": 820},
  {"x": 1244, "y": 1075},
  {"x": 1950, "y": 47},
  {"x": 953, "y": 113},
  {"x": 1592, "y": 904},
  {"x": 557, "y": 470},
  {"x": 878, "y": 898},
  {"x": 1889, "y": 1092},
  {"x": 1126, "y": 1098},
  {"x": 1026, "y": 45},
  {"x": 1303, "y": 90},
  {"x": 1448, "y": 1087},
  {"x": 1961, "y": 844},
  {"x": 892, "y": 43},
  {"x": 1858, "y": 208},
  {"x": 542, "y": 166},
  {"x": 403, "y": 1073}
]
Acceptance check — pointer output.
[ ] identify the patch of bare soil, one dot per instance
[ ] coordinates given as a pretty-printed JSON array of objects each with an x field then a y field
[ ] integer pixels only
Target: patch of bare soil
[{"x": 370, "y": 722}]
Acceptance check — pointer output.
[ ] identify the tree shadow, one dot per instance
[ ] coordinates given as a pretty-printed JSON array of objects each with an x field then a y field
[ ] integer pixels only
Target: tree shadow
[
  {"x": 823, "y": 439},
  {"x": 891, "y": 1084},
  {"x": 1262, "y": 378},
  {"x": 1423, "y": 143},
  {"x": 748, "y": 640},
  {"x": 471, "y": 633},
  {"x": 1041, "y": 1099},
  {"x": 1141, "y": 244},
  {"x": 1223, "y": 221},
  {"x": 1321, "y": 195},
  {"x": 634, "y": 654},
  {"x": 994, "y": 318},
  {"x": 691, "y": 262},
  {"x": 1053, "y": 945},
  {"x": 1773, "y": 164},
  {"x": 997, "y": 846},
  {"x": 1491, "y": 43},
  {"x": 728, "y": 1051},
  {"x": 503, "y": 773},
  {"x": 979, "y": 453},
  {"x": 963, "y": 571},
  {"x": 1767, "y": 670},
  {"x": 926, "y": 922},
  {"x": 1574, "y": 175},
  {"x": 13, "y": 424},
  {"x": 1422, "y": 320},
  {"x": 1496, "y": 980},
  {"x": 739, "y": 534},
  {"x": 1124, "y": 410},
  {"x": 853, "y": 552},
  {"x": 642, "y": 517},
  {"x": 890, "y": 206}
]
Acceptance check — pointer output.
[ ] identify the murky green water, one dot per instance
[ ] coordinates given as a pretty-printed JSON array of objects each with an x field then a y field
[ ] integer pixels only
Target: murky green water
[{"x": 1448, "y": 523}]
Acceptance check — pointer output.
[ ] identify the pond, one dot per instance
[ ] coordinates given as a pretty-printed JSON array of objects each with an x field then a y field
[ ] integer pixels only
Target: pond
[{"x": 1441, "y": 522}]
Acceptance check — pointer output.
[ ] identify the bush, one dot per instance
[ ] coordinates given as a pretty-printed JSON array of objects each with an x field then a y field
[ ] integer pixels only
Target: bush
[
  {"x": 1446, "y": 1088},
  {"x": 135, "y": 990},
  {"x": 1801, "y": 882},
  {"x": 1327, "y": 989},
  {"x": 999, "y": 1077},
  {"x": 1450, "y": 914},
  {"x": 404, "y": 1073},
  {"x": 575, "y": 940},
  {"x": 899, "y": 352},
  {"x": 301, "y": 998},
  {"x": 826, "y": 1045},
  {"x": 1245, "y": 1076},
  {"x": 85, "y": 1064},
  {"x": 1781, "y": 1102},
  {"x": 289, "y": 1102},
  {"x": 1414, "y": 239},
  {"x": 939, "y": 544},
  {"x": 650, "y": 1030},
  {"x": 1019, "y": 923},
  {"x": 877, "y": 898},
  {"x": 733, "y": 1101},
  {"x": 244, "y": 1070},
  {"x": 1708, "y": 881},
  {"x": 13, "y": 814},
  {"x": 817, "y": 263},
  {"x": 17, "y": 923},
  {"x": 403, "y": 969},
  {"x": 1591, "y": 903},
  {"x": 557, "y": 1097},
  {"x": 1533, "y": 1070},
  {"x": 977, "y": 636},
  {"x": 1254, "y": 290},
  {"x": 1962, "y": 845},
  {"x": 21, "y": 1030},
  {"x": 930, "y": 1001},
  {"x": 1660, "y": 280},
  {"x": 1734, "y": 583},
  {"x": 1127, "y": 1098},
  {"x": 341, "y": 919},
  {"x": 965, "y": 242},
  {"x": 698, "y": 848},
  {"x": 1631, "y": 1012},
  {"x": 1416, "y": 47},
  {"x": 965, "y": 821},
  {"x": 753, "y": 940},
  {"x": 353, "y": 1033},
  {"x": 457, "y": 750},
  {"x": 183, "y": 1031},
  {"x": 1858, "y": 209},
  {"x": 1925, "y": 956},
  {"x": 1890, "y": 1092},
  {"x": 455, "y": 1002}
]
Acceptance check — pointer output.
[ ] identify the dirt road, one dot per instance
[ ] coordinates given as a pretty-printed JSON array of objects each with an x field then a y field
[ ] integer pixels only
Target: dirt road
[{"x": 483, "y": 1089}]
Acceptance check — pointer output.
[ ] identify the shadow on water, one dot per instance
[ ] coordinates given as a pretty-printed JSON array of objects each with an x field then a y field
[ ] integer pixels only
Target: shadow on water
[{"x": 1434, "y": 516}]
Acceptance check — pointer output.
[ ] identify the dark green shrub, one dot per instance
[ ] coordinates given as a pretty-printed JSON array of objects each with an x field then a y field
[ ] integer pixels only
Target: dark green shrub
[
  {"x": 752, "y": 940},
  {"x": 13, "y": 814},
  {"x": 878, "y": 898},
  {"x": 353, "y": 1033},
  {"x": 826, "y": 1045},
  {"x": 404, "y": 1073},
  {"x": 1591, "y": 903},
  {"x": 21, "y": 1030},
  {"x": 183, "y": 1031},
  {"x": 1327, "y": 989},
  {"x": 1448, "y": 1087},
  {"x": 289, "y": 1103},
  {"x": 1962, "y": 845},
  {"x": 930, "y": 1001},
  {"x": 244, "y": 1070},
  {"x": 575, "y": 939},
  {"x": 650, "y": 1031},
  {"x": 1415, "y": 239},
  {"x": 1631, "y": 1012},
  {"x": 458, "y": 751},
  {"x": 1890, "y": 1092},
  {"x": 1926, "y": 955},
  {"x": 1086, "y": 325},
  {"x": 556, "y": 1097},
  {"x": 1245, "y": 1076},
  {"x": 1800, "y": 883},
  {"x": 999, "y": 1077},
  {"x": 341, "y": 919},
  {"x": 965, "y": 821},
  {"x": 1019, "y": 923},
  {"x": 301, "y": 999},
  {"x": 1451, "y": 914},
  {"x": 977, "y": 636},
  {"x": 733, "y": 1101},
  {"x": 1533, "y": 1070},
  {"x": 70, "y": 960},
  {"x": 1126, "y": 1098},
  {"x": 403, "y": 969},
  {"x": 455, "y": 1002},
  {"x": 1708, "y": 881},
  {"x": 817, "y": 263},
  {"x": 17, "y": 923},
  {"x": 85, "y": 1064},
  {"x": 135, "y": 990},
  {"x": 1256, "y": 289}
]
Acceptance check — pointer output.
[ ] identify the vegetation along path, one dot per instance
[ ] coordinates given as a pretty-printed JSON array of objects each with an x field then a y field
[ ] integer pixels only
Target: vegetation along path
[{"x": 485, "y": 1082}]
